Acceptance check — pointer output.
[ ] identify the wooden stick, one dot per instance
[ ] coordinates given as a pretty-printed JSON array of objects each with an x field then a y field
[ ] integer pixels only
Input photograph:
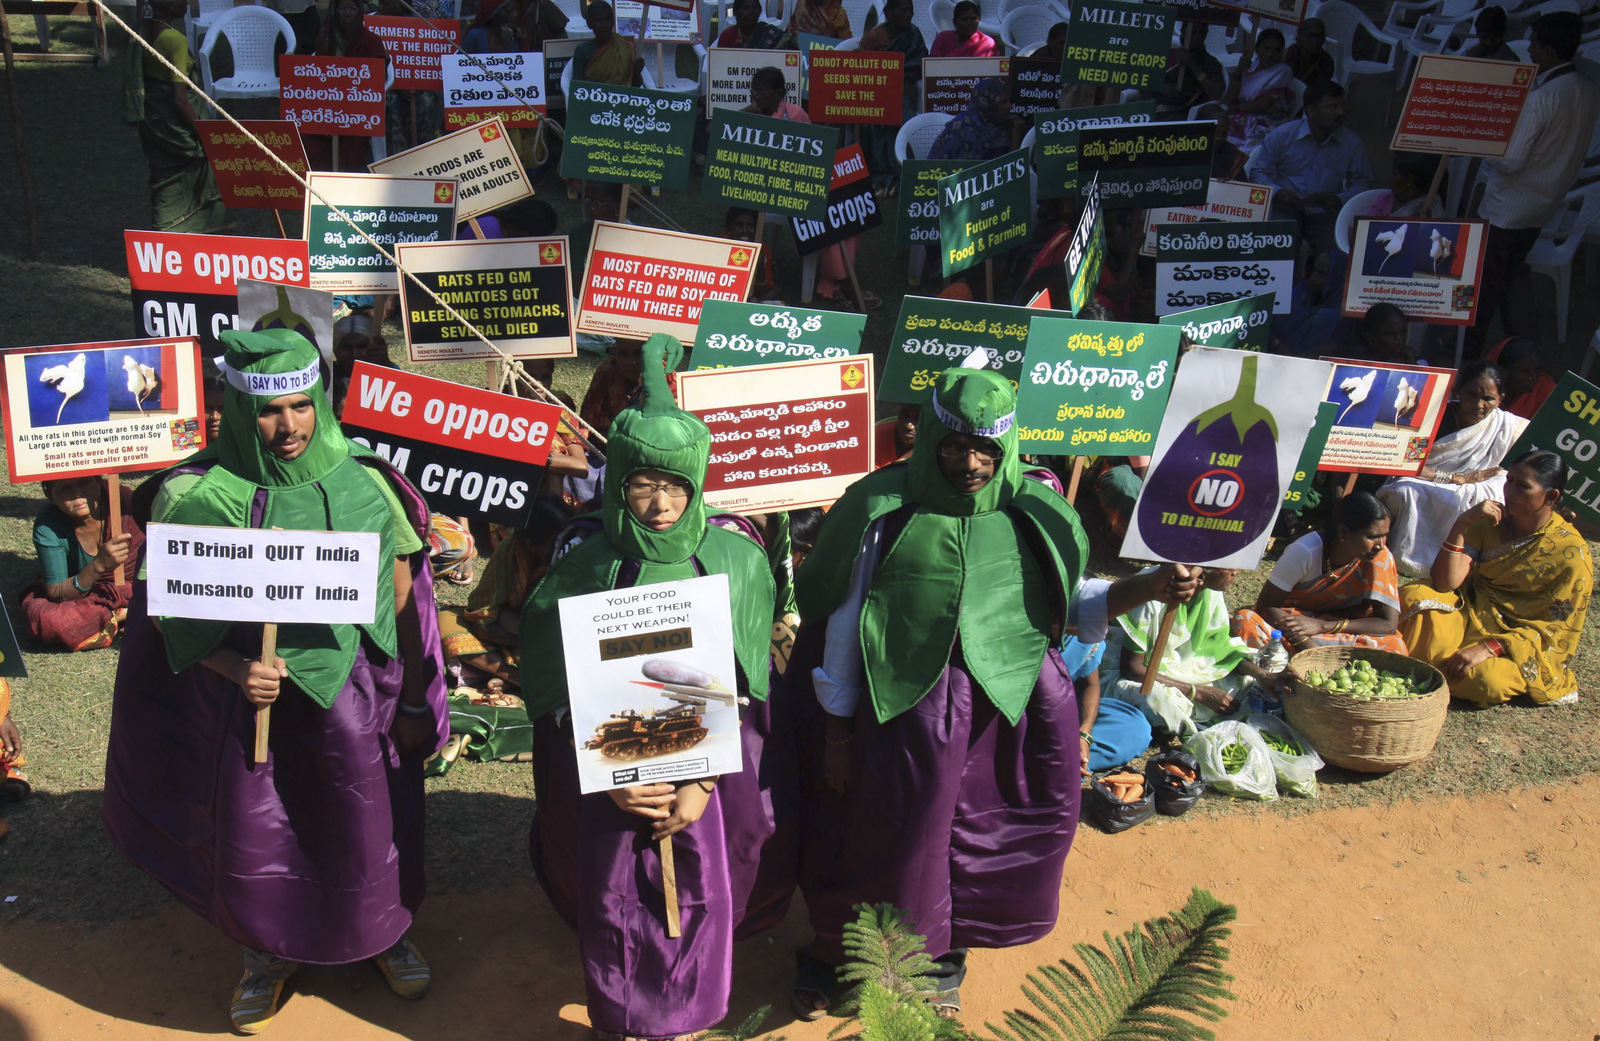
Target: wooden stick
[
  {"x": 492, "y": 374},
  {"x": 1188, "y": 35},
  {"x": 988, "y": 281},
  {"x": 336, "y": 153},
  {"x": 850, "y": 269},
  {"x": 1349, "y": 484},
  {"x": 16, "y": 135},
  {"x": 1152, "y": 662},
  {"x": 622, "y": 207},
  {"x": 1073, "y": 478},
  {"x": 761, "y": 227},
  {"x": 669, "y": 887},
  {"x": 477, "y": 229},
  {"x": 281, "y": 229},
  {"x": 114, "y": 522},
  {"x": 416, "y": 137},
  {"x": 269, "y": 654},
  {"x": 1433, "y": 189}
]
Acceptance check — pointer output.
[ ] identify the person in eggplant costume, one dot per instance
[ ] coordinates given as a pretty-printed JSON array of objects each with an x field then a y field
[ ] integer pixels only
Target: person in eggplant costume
[
  {"x": 936, "y": 721},
  {"x": 596, "y": 855}
]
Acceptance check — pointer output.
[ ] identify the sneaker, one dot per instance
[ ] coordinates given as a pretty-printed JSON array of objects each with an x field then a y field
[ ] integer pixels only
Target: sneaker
[
  {"x": 404, "y": 969},
  {"x": 255, "y": 1002}
]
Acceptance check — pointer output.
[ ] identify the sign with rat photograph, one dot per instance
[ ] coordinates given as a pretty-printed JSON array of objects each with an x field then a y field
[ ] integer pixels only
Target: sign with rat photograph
[
  {"x": 83, "y": 409},
  {"x": 1388, "y": 416},
  {"x": 1227, "y": 452},
  {"x": 1430, "y": 269},
  {"x": 650, "y": 678}
]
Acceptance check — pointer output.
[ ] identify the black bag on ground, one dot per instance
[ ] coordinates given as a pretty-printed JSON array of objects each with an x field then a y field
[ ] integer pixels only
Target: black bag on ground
[
  {"x": 1173, "y": 795},
  {"x": 1111, "y": 813}
]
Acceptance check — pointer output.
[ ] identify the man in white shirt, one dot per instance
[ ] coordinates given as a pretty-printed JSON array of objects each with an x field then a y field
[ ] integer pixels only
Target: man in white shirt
[{"x": 1527, "y": 186}]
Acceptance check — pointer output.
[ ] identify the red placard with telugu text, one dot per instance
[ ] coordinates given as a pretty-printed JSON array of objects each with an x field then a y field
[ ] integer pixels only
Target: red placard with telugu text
[
  {"x": 339, "y": 96},
  {"x": 246, "y": 176},
  {"x": 1463, "y": 106},
  {"x": 857, "y": 87},
  {"x": 414, "y": 45}
]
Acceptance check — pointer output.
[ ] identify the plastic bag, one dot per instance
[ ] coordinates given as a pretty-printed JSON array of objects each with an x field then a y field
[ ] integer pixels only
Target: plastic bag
[
  {"x": 1111, "y": 813},
  {"x": 1174, "y": 795},
  {"x": 1297, "y": 774},
  {"x": 1254, "y": 778}
]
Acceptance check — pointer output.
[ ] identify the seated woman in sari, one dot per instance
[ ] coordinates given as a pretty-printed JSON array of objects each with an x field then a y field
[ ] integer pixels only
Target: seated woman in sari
[
  {"x": 984, "y": 130},
  {"x": 1510, "y": 590},
  {"x": 1463, "y": 469},
  {"x": 1204, "y": 673},
  {"x": 748, "y": 31},
  {"x": 608, "y": 58},
  {"x": 1528, "y": 386},
  {"x": 183, "y": 193},
  {"x": 1259, "y": 92},
  {"x": 894, "y": 34},
  {"x": 821, "y": 18},
  {"x": 76, "y": 602},
  {"x": 1332, "y": 587},
  {"x": 345, "y": 35},
  {"x": 966, "y": 40},
  {"x": 14, "y": 785}
]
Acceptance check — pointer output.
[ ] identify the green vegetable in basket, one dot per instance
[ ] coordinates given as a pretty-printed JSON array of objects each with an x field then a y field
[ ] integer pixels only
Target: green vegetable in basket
[
  {"x": 1281, "y": 743},
  {"x": 1235, "y": 755},
  {"x": 1363, "y": 681}
]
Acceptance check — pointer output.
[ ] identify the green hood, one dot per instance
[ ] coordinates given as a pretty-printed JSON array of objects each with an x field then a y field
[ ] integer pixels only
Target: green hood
[{"x": 979, "y": 403}]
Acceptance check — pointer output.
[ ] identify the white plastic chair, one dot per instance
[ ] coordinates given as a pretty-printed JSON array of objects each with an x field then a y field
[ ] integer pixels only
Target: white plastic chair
[
  {"x": 1552, "y": 255},
  {"x": 666, "y": 73},
  {"x": 1344, "y": 21},
  {"x": 1027, "y": 27},
  {"x": 995, "y": 12},
  {"x": 858, "y": 12},
  {"x": 1433, "y": 32},
  {"x": 197, "y": 25},
  {"x": 566, "y": 79},
  {"x": 914, "y": 139},
  {"x": 1588, "y": 355},
  {"x": 1404, "y": 15},
  {"x": 943, "y": 13},
  {"x": 1360, "y": 205},
  {"x": 251, "y": 32}
]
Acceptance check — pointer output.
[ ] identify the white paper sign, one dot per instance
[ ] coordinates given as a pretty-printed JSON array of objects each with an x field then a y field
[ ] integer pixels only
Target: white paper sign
[
  {"x": 729, "y": 69},
  {"x": 650, "y": 676},
  {"x": 1225, "y": 200},
  {"x": 493, "y": 81},
  {"x": 261, "y": 575}
]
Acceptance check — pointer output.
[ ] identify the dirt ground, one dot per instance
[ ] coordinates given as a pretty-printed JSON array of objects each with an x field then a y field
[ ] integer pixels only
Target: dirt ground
[{"x": 1454, "y": 919}]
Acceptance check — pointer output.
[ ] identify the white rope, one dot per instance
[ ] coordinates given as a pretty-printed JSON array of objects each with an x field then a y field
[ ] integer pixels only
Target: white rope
[{"x": 578, "y": 426}]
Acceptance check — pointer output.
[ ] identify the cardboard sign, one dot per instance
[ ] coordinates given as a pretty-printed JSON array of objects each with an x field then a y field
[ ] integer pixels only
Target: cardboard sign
[
  {"x": 263, "y": 574},
  {"x": 669, "y": 25},
  {"x": 1290, "y": 11},
  {"x": 1463, "y": 106},
  {"x": 670, "y": 5},
  {"x": 852, "y": 206},
  {"x": 628, "y": 135},
  {"x": 1306, "y": 470},
  {"x": 630, "y": 18},
  {"x": 517, "y": 292},
  {"x": 1204, "y": 12},
  {"x": 1200, "y": 265},
  {"x": 415, "y": 46},
  {"x": 1035, "y": 86},
  {"x": 1388, "y": 416},
  {"x": 732, "y": 335},
  {"x": 629, "y": 727},
  {"x": 1430, "y": 269},
  {"x": 471, "y": 452},
  {"x": 783, "y": 436},
  {"x": 1115, "y": 44},
  {"x": 246, "y": 177},
  {"x": 557, "y": 56},
  {"x": 82, "y": 409},
  {"x": 1227, "y": 451},
  {"x": 339, "y": 96},
  {"x": 857, "y": 87},
  {"x": 270, "y": 305},
  {"x": 481, "y": 87},
  {"x": 1094, "y": 388},
  {"x": 1225, "y": 201},
  {"x": 481, "y": 158},
  {"x": 773, "y": 165},
  {"x": 1086, "y": 253},
  {"x": 933, "y": 333},
  {"x": 729, "y": 69},
  {"x": 1159, "y": 164},
  {"x": 185, "y": 285},
  {"x": 947, "y": 82},
  {"x": 918, "y": 221},
  {"x": 390, "y": 209},
  {"x": 1055, "y": 142},
  {"x": 1244, "y": 324},
  {"x": 640, "y": 281},
  {"x": 1566, "y": 424},
  {"x": 985, "y": 211}
]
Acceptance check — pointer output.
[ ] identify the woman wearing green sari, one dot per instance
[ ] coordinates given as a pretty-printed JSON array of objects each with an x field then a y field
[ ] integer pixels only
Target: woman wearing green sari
[{"x": 183, "y": 194}]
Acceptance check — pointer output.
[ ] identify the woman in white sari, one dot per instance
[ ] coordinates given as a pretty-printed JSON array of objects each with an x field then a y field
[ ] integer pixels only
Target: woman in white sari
[{"x": 1463, "y": 469}]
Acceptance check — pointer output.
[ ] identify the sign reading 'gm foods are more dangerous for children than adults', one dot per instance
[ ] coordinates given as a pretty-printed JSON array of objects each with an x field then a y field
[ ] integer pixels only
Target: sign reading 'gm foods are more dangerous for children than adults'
[
  {"x": 263, "y": 574},
  {"x": 481, "y": 158}
]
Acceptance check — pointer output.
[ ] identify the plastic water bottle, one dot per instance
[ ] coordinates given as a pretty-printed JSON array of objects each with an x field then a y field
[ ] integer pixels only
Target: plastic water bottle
[{"x": 1273, "y": 658}]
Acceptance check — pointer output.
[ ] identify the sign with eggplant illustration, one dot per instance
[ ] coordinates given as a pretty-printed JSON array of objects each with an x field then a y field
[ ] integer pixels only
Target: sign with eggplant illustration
[
  {"x": 1225, "y": 456},
  {"x": 1388, "y": 416}
]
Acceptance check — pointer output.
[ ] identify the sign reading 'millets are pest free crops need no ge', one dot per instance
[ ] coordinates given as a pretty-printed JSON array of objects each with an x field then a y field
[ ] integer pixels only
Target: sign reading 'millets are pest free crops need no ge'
[{"x": 1115, "y": 44}]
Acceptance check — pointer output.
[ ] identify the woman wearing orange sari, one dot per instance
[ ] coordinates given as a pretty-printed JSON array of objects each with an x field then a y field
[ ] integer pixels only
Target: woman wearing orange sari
[{"x": 1338, "y": 586}]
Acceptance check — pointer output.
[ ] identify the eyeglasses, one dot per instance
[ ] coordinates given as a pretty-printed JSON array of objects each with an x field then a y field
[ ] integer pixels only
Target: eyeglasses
[
  {"x": 674, "y": 490},
  {"x": 955, "y": 451}
]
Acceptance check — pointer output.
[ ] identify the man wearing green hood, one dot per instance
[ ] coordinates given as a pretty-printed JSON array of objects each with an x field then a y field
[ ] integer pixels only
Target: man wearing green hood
[
  {"x": 597, "y": 855},
  {"x": 316, "y": 854},
  {"x": 939, "y": 729}
]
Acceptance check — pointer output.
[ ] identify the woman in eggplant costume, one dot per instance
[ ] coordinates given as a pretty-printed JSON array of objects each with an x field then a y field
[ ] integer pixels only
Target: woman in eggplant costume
[
  {"x": 597, "y": 855},
  {"x": 938, "y": 729}
]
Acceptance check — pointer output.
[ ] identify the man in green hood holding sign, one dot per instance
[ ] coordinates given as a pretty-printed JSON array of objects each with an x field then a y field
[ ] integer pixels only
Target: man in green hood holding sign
[
  {"x": 938, "y": 724},
  {"x": 316, "y": 854}
]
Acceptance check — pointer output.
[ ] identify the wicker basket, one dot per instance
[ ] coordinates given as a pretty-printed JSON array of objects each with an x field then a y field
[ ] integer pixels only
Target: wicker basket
[{"x": 1370, "y": 736}]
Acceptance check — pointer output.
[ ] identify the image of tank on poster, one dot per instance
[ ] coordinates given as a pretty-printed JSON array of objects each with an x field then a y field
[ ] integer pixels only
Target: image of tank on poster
[
  {"x": 1388, "y": 416},
  {"x": 650, "y": 674},
  {"x": 1226, "y": 454},
  {"x": 1430, "y": 269},
  {"x": 269, "y": 305}
]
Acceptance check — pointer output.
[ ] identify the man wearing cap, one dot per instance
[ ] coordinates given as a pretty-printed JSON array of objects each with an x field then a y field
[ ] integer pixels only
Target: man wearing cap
[
  {"x": 939, "y": 730},
  {"x": 314, "y": 856}
]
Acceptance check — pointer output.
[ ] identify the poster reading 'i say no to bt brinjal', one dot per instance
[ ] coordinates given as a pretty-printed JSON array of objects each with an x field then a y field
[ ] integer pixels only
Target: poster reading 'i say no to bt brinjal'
[{"x": 1229, "y": 442}]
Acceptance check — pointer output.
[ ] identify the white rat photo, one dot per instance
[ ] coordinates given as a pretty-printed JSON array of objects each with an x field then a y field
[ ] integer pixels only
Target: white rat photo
[
  {"x": 143, "y": 380},
  {"x": 67, "y": 379}
]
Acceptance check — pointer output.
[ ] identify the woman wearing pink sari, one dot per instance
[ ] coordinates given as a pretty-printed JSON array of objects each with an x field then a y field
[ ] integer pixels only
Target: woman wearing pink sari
[
  {"x": 965, "y": 40},
  {"x": 1260, "y": 98}
]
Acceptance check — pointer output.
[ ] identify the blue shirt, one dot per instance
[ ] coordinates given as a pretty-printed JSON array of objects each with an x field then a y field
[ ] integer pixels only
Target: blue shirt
[{"x": 1290, "y": 158}]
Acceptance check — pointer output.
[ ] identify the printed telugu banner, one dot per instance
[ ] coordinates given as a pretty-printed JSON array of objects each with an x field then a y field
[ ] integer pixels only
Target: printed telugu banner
[
  {"x": 326, "y": 95},
  {"x": 1463, "y": 106},
  {"x": 1430, "y": 269},
  {"x": 1388, "y": 416},
  {"x": 628, "y": 135}
]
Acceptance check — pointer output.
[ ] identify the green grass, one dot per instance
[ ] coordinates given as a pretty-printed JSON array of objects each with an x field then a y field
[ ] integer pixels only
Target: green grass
[{"x": 89, "y": 179}]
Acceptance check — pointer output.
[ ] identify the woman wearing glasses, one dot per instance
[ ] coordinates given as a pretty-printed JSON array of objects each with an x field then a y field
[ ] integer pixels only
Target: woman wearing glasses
[{"x": 597, "y": 855}]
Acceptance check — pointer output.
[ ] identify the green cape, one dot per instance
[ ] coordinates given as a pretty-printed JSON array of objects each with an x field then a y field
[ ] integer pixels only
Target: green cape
[
  {"x": 995, "y": 567},
  {"x": 325, "y": 488},
  {"x": 654, "y": 435}
]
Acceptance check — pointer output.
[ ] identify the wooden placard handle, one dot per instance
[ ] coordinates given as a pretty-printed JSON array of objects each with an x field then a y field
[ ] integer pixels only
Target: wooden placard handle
[
  {"x": 114, "y": 519},
  {"x": 269, "y": 653},
  {"x": 669, "y": 886},
  {"x": 1153, "y": 663}
]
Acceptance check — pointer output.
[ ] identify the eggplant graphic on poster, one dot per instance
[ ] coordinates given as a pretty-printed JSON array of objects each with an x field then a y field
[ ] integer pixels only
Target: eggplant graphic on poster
[
  {"x": 1219, "y": 479},
  {"x": 284, "y": 317}
]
